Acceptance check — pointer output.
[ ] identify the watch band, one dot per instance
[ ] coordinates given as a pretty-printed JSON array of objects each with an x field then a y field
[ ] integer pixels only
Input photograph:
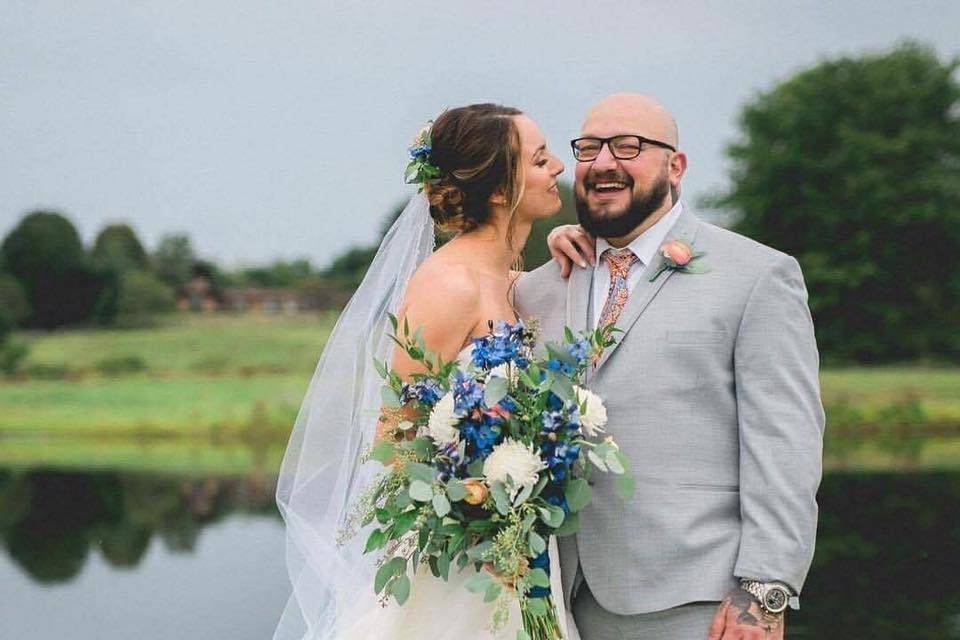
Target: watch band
[{"x": 760, "y": 590}]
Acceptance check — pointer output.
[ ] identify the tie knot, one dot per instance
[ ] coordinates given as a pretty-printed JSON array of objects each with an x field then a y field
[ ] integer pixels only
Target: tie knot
[{"x": 620, "y": 261}]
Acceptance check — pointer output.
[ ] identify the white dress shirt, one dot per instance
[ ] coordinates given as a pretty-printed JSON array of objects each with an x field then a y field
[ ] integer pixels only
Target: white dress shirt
[{"x": 644, "y": 246}]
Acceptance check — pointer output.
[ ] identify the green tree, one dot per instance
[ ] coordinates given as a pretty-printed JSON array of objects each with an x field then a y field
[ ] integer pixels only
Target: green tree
[
  {"x": 118, "y": 247},
  {"x": 174, "y": 258},
  {"x": 45, "y": 254},
  {"x": 281, "y": 273},
  {"x": 142, "y": 296},
  {"x": 12, "y": 299},
  {"x": 853, "y": 167}
]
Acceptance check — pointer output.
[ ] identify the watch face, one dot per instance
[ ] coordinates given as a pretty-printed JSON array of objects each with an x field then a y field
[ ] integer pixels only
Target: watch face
[{"x": 776, "y": 600}]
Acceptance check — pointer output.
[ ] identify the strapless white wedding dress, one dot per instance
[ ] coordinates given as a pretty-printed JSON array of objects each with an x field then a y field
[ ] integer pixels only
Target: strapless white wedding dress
[{"x": 445, "y": 610}]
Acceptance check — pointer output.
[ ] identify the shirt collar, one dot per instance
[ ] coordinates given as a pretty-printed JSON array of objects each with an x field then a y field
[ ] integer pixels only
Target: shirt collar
[{"x": 645, "y": 245}]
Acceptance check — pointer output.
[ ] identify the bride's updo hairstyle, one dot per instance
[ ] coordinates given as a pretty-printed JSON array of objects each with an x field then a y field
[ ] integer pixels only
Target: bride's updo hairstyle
[{"x": 477, "y": 150}]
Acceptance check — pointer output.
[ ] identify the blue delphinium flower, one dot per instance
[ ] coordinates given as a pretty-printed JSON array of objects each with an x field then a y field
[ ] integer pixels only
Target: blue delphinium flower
[
  {"x": 427, "y": 391},
  {"x": 580, "y": 350},
  {"x": 552, "y": 421},
  {"x": 420, "y": 152},
  {"x": 467, "y": 394},
  {"x": 448, "y": 462},
  {"x": 559, "y": 456},
  {"x": 554, "y": 403},
  {"x": 481, "y": 436},
  {"x": 573, "y": 416},
  {"x": 503, "y": 344},
  {"x": 555, "y": 364}
]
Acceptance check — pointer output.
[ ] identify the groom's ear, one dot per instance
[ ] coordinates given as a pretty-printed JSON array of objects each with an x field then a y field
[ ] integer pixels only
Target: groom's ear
[{"x": 678, "y": 166}]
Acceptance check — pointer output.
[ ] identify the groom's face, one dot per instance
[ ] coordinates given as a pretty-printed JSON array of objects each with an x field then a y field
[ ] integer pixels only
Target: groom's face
[{"x": 615, "y": 196}]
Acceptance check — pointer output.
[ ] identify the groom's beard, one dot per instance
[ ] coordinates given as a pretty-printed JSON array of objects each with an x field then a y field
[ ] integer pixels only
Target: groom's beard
[{"x": 641, "y": 206}]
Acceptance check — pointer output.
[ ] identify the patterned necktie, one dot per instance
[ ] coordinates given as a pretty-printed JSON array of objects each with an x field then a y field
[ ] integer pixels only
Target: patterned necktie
[{"x": 619, "y": 261}]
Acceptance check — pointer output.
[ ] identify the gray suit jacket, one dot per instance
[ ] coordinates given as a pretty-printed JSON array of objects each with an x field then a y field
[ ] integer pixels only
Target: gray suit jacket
[{"x": 713, "y": 395}]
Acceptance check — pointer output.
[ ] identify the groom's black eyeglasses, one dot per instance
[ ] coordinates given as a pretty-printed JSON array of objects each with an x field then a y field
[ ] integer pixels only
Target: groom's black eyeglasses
[{"x": 626, "y": 147}]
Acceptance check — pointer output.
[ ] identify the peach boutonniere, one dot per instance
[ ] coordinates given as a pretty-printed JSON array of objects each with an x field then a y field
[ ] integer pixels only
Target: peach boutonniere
[{"x": 680, "y": 256}]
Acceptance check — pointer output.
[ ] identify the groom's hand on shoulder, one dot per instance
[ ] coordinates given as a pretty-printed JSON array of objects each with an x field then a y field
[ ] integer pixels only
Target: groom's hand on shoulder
[
  {"x": 740, "y": 617},
  {"x": 569, "y": 244}
]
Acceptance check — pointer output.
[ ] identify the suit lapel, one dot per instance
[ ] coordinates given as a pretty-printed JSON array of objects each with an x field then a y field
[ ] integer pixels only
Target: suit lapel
[
  {"x": 684, "y": 229},
  {"x": 578, "y": 298}
]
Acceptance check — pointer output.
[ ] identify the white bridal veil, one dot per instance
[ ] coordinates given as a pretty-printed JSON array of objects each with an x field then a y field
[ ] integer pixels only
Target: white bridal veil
[{"x": 321, "y": 475}]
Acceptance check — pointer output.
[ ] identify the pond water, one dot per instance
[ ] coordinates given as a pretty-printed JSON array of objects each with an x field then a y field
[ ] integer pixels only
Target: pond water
[{"x": 103, "y": 555}]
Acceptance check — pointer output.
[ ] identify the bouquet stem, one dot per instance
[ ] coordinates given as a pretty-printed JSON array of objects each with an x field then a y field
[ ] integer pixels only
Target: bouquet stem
[{"x": 541, "y": 626}]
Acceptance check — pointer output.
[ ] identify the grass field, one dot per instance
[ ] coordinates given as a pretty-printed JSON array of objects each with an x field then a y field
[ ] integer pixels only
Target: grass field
[{"x": 226, "y": 374}]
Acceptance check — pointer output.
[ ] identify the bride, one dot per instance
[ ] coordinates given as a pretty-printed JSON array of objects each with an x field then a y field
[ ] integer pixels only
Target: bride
[{"x": 490, "y": 178}]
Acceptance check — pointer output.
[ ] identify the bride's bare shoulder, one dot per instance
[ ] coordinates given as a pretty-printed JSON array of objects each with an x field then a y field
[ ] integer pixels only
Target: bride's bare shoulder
[{"x": 440, "y": 281}]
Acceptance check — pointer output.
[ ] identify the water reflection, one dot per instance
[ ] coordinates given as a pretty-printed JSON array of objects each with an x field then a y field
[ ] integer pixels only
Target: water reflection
[
  {"x": 886, "y": 564},
  {"x": 887, "y": 558},
  {"x": 49, "y": 520}
]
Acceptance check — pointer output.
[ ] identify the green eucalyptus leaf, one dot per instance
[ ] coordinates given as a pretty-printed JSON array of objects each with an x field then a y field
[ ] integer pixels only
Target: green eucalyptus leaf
[
  {"x": 422, "y": 447},
  {"x": 380, "y": 367},
  {"x": 421, "y": 491},
  {"x": 421, "y": 472},
  {"x": 383, "y": 451},
  {"x": 537, "y": 544},
  {"x": 537, "y": 606},
  {"x": 456, "y": 490},
  {"x": 578, "y": 494},
  {"x": 443, "y": 566},
  {"x": 441, "y": 505},
  {"x": 500, "y": 497},
  {"x": 562, "y": 387},
  {"x": 392, "y": 567},
  {"x": 596, "y": 460},
  {"x": 551, "y": 515},
  {"x": 401, "y": 589},
  {"x": 492, "y": 592},
  {"x": 544, "y": 478},
  {"x": 389, "y": 397},
  {"x": 479, "y": 552},
  {"x": 478, "y": 582},
  {"x": 475, "y": 468},
  {"x": 376, "y": 540},
  {"x": 495, "y": 390},
  {"x": 538, "y": 578},
  {"x": 625, "y": 486},
  {"x": 614, "y": 464},
  {"x": 524, "y": 494},
  {"x": 404, "y": 522},
  {"x": 571, "y": 524}
]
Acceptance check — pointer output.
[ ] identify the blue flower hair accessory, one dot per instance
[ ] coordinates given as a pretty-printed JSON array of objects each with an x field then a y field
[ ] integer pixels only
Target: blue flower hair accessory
[{"x": 420, "y": 170}]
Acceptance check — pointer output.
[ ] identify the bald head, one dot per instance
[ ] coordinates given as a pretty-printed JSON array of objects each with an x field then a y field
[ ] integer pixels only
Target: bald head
[{"x": 631, "y": 113}]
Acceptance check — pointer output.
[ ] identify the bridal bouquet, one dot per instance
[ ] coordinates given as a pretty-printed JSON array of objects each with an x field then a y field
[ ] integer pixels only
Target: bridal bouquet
[{"x": 483, "y": 462}]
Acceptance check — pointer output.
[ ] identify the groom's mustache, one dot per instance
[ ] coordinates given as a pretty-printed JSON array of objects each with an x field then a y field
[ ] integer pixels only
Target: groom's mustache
[{"x": 591, "y": 180}]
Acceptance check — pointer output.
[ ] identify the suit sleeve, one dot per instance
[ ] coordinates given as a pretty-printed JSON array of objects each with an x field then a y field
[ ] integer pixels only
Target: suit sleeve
[{"x": 781, "y": 423}]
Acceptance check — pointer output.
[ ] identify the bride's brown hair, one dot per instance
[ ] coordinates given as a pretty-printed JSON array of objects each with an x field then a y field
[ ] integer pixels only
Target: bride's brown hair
[{"x": 477, "y": 149}]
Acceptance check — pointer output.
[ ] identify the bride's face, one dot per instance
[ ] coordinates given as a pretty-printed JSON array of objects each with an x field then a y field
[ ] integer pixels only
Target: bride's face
[{"x": 541, "y": 198}]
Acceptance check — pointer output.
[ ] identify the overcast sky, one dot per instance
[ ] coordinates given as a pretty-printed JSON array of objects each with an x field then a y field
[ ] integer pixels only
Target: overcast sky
[{"x": 278, "y": 128}]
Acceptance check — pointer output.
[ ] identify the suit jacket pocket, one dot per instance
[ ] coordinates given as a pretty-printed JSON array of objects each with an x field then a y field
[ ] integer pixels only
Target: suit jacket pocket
[{"x": 696, "y": 337}]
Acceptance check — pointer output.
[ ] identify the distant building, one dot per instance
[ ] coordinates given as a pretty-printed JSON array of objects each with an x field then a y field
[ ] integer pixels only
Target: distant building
[
  {"x": 199, "y": 294},
  {"x": 262, "y": 300}
]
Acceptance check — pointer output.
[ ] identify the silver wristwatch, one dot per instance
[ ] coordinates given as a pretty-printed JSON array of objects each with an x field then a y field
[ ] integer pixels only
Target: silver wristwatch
[{"x": 773, "y": 596}]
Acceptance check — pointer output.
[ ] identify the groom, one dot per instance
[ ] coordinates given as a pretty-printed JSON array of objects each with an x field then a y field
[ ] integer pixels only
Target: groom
[{"x": 711, "y": 391}]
